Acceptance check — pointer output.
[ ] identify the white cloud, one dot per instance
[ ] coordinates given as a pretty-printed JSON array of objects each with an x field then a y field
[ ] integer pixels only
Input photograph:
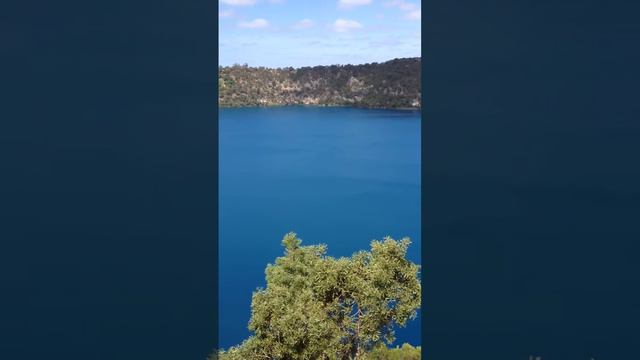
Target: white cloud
[
  {"x": 343, "y": 25},
  {"x": 225, "y": 13},
  {"x": 414, "y": 15},
  {"x": 254, "y": 24},
  {"x": 412, "y": 11},
  {"x": 345, "y": 4},
  {"x": 238, "y": 2},
  {"x": 402, "y": 5},
  {"x": 304, "y": 24}
]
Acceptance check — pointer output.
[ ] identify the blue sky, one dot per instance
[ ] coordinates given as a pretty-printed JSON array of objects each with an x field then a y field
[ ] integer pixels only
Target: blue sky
[{"x": 281, "y": 33}]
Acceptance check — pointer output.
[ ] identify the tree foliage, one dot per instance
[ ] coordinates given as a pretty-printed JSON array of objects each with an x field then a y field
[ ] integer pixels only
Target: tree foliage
[
  {"x": 405, "y": 352},
  {"x": 319, "y": 307},
  {"x": 392, "y": 84}
]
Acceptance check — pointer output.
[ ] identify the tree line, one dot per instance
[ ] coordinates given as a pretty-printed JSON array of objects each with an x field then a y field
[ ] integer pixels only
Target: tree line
[{"x": 391, "y": 84}]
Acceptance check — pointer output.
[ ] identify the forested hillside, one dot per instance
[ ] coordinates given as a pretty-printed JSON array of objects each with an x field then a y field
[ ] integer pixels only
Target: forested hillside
[{"x": 392, "y": 84}]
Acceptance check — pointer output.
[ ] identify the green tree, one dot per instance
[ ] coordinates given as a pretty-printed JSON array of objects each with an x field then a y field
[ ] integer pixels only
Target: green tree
[
  {"x": 405, "y": 352},
  {"x": 318, "y": 307}
]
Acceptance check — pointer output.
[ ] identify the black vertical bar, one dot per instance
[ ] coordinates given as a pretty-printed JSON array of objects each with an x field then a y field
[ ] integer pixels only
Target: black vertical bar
[
  {"x": 531, "y": 179},
  {"x": 108, "y": 179}
]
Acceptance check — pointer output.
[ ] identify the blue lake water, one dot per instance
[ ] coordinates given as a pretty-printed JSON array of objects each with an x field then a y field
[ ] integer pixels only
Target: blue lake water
[{"x": 339, "y": 176}]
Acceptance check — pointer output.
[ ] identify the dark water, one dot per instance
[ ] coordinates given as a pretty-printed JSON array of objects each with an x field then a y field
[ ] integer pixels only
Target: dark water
[{"x": 338, "y": 176}]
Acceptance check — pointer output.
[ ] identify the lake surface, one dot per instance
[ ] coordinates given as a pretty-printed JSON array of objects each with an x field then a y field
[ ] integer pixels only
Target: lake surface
[{"x": 339, "y": 176}]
